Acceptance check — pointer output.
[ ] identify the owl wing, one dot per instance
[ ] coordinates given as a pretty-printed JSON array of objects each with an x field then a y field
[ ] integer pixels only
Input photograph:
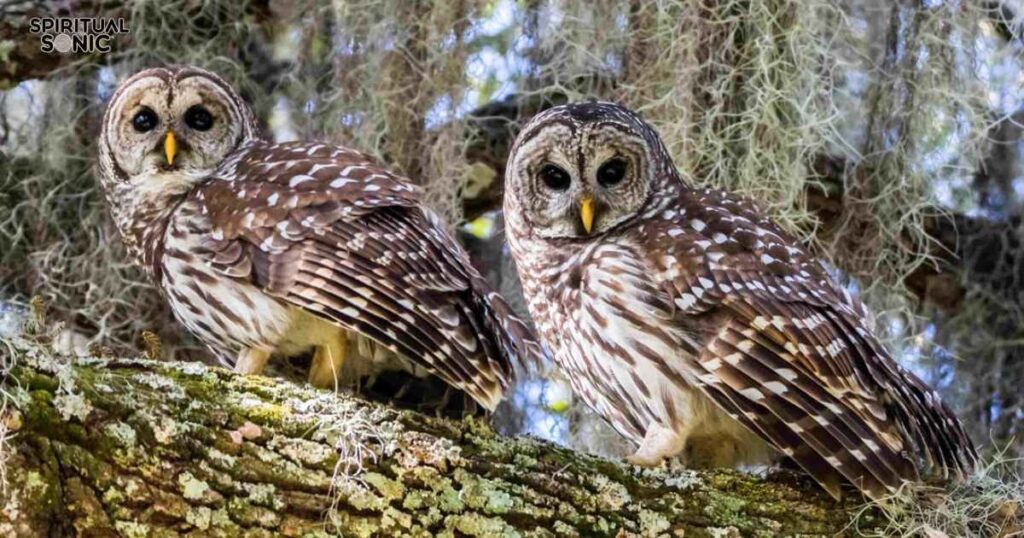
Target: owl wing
[
  {"x": 330, "y": 231},
  {"x": 795, "y": 361}
]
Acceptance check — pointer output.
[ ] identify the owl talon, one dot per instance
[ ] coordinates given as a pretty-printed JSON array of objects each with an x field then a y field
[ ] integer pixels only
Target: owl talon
[
  {"x": 251, "y": 361},
  {"x": 659, "y": 443}
]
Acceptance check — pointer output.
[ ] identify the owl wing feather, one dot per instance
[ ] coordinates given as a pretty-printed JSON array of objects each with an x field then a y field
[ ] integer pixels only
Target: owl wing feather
[
  {"x": 329, "y": 230},
  {"x": 795, "y": 361}
]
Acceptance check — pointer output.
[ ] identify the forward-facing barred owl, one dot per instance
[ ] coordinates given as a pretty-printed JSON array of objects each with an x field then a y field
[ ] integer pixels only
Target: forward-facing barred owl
[
  {"x": 696, "y": 326},
  {"x": 269, "y": 249}
]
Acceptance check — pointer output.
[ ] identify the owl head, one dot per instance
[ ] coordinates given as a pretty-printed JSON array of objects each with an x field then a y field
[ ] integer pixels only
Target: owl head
[
  {"x": 579, "y": 170},
  {"x": 177, "y": 120},
  {"x": 164, "y": 130}
]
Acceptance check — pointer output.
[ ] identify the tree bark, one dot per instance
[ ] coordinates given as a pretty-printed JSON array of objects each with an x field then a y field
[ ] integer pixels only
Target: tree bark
[{"x": 132, "y": 447}]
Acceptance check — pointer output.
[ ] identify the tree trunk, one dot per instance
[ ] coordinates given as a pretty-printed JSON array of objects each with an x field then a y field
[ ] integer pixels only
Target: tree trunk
[{"x": 132, "y": 447}]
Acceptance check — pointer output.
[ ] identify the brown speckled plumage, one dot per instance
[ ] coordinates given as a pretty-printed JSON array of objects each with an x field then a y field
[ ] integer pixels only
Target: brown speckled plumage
[
  {"x": 274, "y": 249},
  {"x": 697, "y": 327}
]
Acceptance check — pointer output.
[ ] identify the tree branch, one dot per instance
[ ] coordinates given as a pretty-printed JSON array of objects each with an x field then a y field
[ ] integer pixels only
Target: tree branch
[{"x": 143, "y": 448}]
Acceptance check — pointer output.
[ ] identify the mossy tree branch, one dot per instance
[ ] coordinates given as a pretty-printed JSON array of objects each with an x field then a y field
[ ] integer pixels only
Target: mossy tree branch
[{"x": 105, "y": 447}]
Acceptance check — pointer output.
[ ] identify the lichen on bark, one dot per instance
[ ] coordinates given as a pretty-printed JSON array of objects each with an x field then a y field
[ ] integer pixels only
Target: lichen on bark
[{"x": 132, "y": 447}]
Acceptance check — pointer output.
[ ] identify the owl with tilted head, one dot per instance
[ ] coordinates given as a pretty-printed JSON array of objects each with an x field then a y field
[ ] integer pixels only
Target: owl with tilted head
[
  {"x": 270, "y": 250},
  {"x": 698, "y": 328}
]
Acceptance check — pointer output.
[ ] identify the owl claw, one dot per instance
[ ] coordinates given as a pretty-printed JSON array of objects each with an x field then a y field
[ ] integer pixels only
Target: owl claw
[
  {"x": 659, "y": 443},
  {"x": 251, "y": 361}
]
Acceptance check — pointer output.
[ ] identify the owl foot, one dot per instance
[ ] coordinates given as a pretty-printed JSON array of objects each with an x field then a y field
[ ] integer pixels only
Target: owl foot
[
  {"x": 251, "y": 361},
  {"x": 325, "y": 372},
  {"x": 659, "y": 443}
]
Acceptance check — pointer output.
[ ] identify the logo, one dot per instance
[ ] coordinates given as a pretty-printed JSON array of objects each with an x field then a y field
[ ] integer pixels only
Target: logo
[{"x": 76, "y": 35}]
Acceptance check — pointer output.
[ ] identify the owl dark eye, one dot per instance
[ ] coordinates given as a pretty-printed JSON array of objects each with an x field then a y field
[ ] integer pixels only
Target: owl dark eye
[
  {"x": 554, "y": 177},
  {"x": 144, "y": 120},
  {"x": 611, "y": 172},
  {"x": 198, "y": 118}
]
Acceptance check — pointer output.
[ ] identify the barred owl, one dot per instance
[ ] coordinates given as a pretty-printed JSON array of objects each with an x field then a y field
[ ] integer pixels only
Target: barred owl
[
  {"x": 696, "y": 327},
  {"x": 267, "y": 250}
]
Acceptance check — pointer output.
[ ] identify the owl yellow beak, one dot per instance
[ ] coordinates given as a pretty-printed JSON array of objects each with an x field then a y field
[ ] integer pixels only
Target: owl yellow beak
[
  {"x": 170, "y": 147},
  {"x": 587, "y": 213}
]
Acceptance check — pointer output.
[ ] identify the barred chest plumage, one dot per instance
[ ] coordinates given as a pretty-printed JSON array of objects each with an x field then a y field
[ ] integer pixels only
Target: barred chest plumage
[
  {"x": 697, "y": 290},
  {"x": 624, "y": 352},
  {"x": 230, "y": 314},
  {"x": 227, "y": 313},
  {"x": 267, "y": 249}
]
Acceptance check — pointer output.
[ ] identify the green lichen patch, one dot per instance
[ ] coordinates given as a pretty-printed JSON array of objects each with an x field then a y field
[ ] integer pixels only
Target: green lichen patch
[
  {"x": 223, "y": 461},
  {"x": 394, "y": 522},
  {"x": 247, "y": 514},
  {"x": 483, "y": 442},
  {"x": 390, "y": 490},
  {"x": 92, "y": 468},
  {"x": 301, "y": 451},
  {"x": 610, "y": 495},
  {"x": 121, "y": 433},
  {"x": 166, "y": 386},
  {"x": 200, "y": 517},
  {"x": 191, "y": 487},
  {"x": 488, "y": 496},
  {"x": 194, "y": 369},
  {"x": 421, "y": 449},
  {"x": 356, "y": 495},
  {"x": 445, "y": 497},
  {"x": 113, "y": 496},
  {"x": 473, "y": 524},
  {"x": 682, "y": 480},
  {"x": 261, "y": 412},
  {"x": 22, "y": 496},
  {"x": 258, "y": 464},
  {"x": 653, "y": 523},
  {"x": 166, "y": 429},
  {"x": 263, "y": 495},
  {"x": 132, "y": 529},
  {"x": 219, "y": 518},
  {"x": 72, "y": 406},
  {"x": 726, "y": 509},
  {"x": 524, "y": 461}
]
